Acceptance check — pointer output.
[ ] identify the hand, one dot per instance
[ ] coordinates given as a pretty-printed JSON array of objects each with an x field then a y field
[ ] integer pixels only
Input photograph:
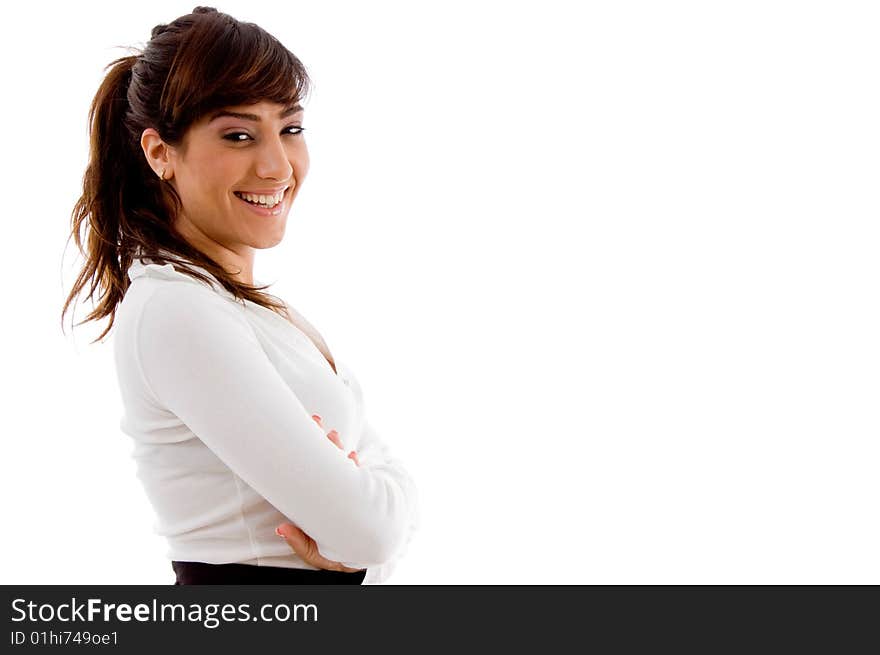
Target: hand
[{"x": 302, "y": 544}]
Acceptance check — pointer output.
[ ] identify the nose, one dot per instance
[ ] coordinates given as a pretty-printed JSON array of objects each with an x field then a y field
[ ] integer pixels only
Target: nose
[{"x": 273, "y": 160}]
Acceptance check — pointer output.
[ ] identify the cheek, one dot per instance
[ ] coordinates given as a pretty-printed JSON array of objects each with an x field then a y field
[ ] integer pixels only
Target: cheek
[
  {"x": 215, "y": 188},
  {"x": 216, "y": 174},
  {"x": 301, "y": 166}
]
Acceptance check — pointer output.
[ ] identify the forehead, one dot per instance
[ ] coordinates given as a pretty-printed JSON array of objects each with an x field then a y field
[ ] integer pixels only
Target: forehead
[{"x": 259, "y": 112}]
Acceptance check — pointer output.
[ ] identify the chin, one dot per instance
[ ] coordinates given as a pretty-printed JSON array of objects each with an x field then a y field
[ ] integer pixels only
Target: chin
[{"x": 268, "y": 241}]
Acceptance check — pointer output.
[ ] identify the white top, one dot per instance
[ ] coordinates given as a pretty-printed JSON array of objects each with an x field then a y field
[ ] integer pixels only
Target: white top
[{"x": 218, "y": 398}]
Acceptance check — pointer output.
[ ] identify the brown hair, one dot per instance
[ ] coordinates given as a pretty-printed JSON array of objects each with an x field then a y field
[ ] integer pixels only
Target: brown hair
[{"x": 199, "y": 62}]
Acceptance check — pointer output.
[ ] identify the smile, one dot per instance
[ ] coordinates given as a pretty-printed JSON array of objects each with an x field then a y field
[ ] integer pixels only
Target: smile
[{"x": 265, "y": 205}]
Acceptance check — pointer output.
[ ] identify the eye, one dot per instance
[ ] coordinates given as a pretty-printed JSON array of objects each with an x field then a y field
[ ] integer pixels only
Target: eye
[{"x": 233, "y": 136}]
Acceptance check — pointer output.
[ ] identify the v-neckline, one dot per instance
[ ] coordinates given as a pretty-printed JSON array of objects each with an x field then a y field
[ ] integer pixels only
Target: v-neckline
[
  {"x": 307, "y": 331},
  {"x": 326, "y": 354},
  {"x": 324, "y": 351}
]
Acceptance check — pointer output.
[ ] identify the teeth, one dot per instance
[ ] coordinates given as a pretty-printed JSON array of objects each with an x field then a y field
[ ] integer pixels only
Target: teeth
[{"x": 266, "y": 201}]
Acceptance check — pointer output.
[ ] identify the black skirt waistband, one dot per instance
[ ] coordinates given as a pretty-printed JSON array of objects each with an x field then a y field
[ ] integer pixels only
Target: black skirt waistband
[{"x": 235, "y": 573}]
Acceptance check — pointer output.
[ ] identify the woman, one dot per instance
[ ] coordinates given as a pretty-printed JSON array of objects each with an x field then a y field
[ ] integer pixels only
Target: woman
[{"x": 245, "y": 427}]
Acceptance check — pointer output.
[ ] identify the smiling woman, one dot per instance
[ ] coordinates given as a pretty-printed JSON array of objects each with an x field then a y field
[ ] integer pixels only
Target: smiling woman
[
  {"x": 246, "y": 429},
  {"x": 233, "y": 170}
]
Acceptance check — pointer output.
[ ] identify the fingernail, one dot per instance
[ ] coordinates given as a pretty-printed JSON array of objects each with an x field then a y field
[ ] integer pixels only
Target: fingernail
[{"x": 278, "y": 532}]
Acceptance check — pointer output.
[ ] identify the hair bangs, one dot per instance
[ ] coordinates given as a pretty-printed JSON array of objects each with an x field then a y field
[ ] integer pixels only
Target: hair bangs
[{"x": 229, "y": 64}]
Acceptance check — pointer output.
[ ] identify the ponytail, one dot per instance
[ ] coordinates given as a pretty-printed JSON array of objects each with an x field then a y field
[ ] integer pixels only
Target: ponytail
[{"x": 102, "y": 203}]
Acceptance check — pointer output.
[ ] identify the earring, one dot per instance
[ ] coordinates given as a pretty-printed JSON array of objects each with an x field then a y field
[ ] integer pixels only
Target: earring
[{"x": 162, "y": 177}]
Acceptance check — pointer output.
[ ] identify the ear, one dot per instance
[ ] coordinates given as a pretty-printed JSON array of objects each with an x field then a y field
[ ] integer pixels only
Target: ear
[{"x": 157, "y": 153}]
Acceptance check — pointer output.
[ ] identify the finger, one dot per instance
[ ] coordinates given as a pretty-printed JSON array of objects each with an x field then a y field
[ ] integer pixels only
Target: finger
[
  {"x": 333, "y": 435},
  {"x": 296, "y": 539},
  {"x": 353, "y": 455},
  {"x": 304, "y": 546}
]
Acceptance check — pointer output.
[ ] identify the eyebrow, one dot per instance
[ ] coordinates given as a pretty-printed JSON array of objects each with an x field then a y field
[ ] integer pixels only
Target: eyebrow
[{"x": 252, "y": 117}]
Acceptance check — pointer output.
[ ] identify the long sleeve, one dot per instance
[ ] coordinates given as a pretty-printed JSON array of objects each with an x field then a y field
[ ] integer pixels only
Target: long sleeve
[
  {"x": 202, "y": 361},
  {"x": 375, "y": 453}
]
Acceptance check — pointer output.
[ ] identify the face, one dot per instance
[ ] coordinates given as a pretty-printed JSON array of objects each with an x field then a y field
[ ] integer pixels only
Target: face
[{"x": 246, "y": 149}]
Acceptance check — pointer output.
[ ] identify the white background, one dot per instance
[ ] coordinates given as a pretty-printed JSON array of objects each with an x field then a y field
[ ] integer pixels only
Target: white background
[{"x": 607, "y": 273}]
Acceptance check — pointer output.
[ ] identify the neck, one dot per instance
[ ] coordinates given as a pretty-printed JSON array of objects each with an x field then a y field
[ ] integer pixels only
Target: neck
[{"x": 238, "y": 260}]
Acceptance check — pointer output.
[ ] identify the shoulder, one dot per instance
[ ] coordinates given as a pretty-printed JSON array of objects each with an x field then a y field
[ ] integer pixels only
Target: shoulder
[
  {"x": 156, "y": 310},
  {"x": 151, "y": 275},
  {"x": 191, "y": 302},
  {"x": 156, "y": 294}
]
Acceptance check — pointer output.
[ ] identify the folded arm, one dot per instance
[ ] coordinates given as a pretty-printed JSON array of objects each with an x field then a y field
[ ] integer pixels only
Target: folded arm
[{"x": 203, "y": 362}]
